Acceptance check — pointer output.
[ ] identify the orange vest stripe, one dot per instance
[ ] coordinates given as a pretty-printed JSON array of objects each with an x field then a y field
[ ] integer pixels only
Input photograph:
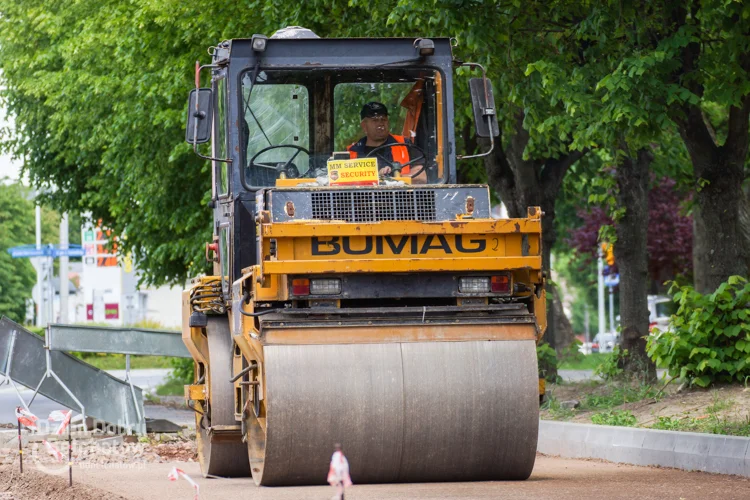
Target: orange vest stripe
[{"x": 399, "y": 153}]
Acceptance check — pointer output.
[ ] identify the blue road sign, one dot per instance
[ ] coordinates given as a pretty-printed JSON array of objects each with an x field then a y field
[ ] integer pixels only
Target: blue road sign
[
  {"x": 73, "y": 251},
  {"x": 612, "y": 280},
  {"x": 27, "y": 251},
  {"x": 54, "y": 251}
]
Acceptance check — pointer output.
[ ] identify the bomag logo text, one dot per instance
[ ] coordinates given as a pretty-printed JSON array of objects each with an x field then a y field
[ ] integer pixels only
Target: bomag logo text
[{"x": 396, "y": 245}]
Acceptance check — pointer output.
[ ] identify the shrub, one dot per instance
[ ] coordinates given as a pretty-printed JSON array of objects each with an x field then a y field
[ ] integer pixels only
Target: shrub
[
  {"x": 709, "y": 338},
  {"x": 572, "y": 354},
  {"x": 546, "y": 358},
  {"x": 183, "y": 370},
  {"x": 616, "y": 395},
  {"x": 668, "y": 424},
  {"x": 622, "y": 418},
  {"x": 609, "y": 369}
]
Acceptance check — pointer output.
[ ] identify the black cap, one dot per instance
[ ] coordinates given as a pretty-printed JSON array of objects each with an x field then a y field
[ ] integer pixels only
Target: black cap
[{"x": 373, "y": 108}]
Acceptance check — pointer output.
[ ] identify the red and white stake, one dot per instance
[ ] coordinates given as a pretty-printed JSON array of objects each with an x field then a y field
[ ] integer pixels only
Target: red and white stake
[
  {"x": 60, "y": 416},
  {"x": 28, "y": 420},
  {"x": 53, "y": 451},
  {"x": 176, "y": 473}
]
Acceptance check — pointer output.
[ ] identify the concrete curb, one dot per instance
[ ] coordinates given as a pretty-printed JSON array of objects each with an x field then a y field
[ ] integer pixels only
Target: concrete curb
[{"x": 628, "y": 445}]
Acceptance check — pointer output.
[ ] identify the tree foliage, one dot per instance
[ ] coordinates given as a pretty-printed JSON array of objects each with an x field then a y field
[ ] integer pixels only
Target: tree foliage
[
  {"x": 663, "y": 66},
  {"x": 17, "y": 227},
  {"x": 670, "y": 234},
  {"x": 17, "y": 276},
  {"x": 98, "y": 91}
]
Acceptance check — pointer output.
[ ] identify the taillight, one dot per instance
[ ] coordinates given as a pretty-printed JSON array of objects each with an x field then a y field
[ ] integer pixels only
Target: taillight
[
  {"x": 301, "y": 286},
  {"x": 501, "y": 284}
]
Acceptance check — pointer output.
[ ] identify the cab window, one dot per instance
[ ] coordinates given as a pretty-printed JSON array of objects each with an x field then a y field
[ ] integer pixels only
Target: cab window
[{"x": 295, "y": 121}]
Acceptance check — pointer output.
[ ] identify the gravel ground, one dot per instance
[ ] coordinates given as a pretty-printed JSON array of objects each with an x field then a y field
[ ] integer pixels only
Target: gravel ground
[
  {"x": 553, "y": 478},
  {"x": 33, "y": 485},
  {"x": 101, "y": 450},
  {"x": 107, "y": 467}
]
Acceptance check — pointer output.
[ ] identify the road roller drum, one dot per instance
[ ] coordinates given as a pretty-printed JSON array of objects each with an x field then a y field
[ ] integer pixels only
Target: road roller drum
[{"x": 405, "y": 412}]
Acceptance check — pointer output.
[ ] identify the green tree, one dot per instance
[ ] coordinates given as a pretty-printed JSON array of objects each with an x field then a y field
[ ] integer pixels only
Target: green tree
[
  {"x": 98, "y": 93},
  {"x": 17, "y": 227},
  {"x": 688, "y": 63},
  {"x": 17, "y": 276}
]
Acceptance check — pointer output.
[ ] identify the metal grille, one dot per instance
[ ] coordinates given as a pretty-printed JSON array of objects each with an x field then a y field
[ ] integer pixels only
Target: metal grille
[{"x": 373, "y": 206}]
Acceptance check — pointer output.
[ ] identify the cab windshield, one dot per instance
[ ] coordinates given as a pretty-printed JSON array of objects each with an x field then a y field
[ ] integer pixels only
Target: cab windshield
[{"x": 294, "y": 122}]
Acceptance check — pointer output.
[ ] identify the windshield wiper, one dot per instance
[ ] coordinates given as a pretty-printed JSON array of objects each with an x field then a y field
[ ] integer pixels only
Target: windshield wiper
[
  {"x": 259, "y": 125},
  {"x": 247, "y": 103}
]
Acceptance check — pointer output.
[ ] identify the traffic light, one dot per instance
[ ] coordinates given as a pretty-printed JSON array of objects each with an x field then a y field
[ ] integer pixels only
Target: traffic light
[{"x": 609, "y": 253}]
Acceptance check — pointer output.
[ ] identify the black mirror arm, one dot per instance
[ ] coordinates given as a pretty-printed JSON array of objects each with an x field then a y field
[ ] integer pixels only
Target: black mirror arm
[
  {"x": 492, "y": 142},
  {"x": 210, "y": 158},
  {"x": 488, "y": 113},
  {"x": 201, "y": 115}
]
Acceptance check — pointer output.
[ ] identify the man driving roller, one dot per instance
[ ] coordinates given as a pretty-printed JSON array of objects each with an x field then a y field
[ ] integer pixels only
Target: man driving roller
[{"x": 376, "y": 127}]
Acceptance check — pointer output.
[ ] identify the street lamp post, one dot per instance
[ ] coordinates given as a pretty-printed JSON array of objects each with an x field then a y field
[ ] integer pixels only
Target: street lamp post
[
  {"x": 600, "y": 282},
  {"x": 40, "y": 264}
]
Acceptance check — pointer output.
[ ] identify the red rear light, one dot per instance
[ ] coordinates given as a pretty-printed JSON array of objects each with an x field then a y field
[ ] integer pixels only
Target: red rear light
[
  {"x": 651, "y": 326},
  {"x": 301, "y": 287},
  {"x": 500, "y": 284}
]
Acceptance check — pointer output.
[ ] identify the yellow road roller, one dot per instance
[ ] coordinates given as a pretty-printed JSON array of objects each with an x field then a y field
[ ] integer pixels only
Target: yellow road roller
[{"x": 359, "y": 294}]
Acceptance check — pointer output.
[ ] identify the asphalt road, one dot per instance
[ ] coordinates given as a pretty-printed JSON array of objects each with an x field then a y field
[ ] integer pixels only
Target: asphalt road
[{"x": 553, "y": 478}]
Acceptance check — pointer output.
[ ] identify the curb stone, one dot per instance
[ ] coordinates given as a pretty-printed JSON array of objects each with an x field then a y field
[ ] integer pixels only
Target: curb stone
[{"x": 629, "y": 445}]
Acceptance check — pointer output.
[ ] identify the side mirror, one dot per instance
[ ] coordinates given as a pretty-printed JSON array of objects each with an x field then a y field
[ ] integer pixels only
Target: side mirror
[
  {"x": 200, "y": 113},
  {"x": 483, "y": 103}
]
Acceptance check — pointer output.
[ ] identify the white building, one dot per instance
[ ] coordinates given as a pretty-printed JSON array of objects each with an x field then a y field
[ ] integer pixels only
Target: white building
[{"x": 110, "y": 291}]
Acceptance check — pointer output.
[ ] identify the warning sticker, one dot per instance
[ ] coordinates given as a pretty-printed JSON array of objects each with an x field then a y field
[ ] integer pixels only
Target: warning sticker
[{"x": 354, "y": 172}]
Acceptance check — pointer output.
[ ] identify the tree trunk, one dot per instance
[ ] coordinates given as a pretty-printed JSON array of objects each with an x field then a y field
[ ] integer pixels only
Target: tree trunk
[
  {"x": 525, "y": 183},
  {"x": 632, "y": 260},
  {"x": 744, "y": 221},
  {"x": 548, "y": 239},
  {"x": 564, "y": 336},
  {"x": 719, "y": 171},
  {"x": 720, "y": 251}
]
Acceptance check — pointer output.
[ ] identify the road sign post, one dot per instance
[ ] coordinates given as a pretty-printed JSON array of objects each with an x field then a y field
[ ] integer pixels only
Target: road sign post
[
  {"x": 45, "y": 256},
  {"x": 600, "y": 283},
  {"x": 611, "y": 281}
]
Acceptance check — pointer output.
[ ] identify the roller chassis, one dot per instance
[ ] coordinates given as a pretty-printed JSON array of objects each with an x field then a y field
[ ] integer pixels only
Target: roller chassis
[{"x": 335, "y": 334}]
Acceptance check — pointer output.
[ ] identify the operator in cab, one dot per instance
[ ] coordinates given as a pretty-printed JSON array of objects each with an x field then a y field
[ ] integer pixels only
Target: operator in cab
[{"x": 376, "y": 127}]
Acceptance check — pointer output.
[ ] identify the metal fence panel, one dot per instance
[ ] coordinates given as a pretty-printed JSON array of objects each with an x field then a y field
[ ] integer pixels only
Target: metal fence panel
[
  {"x": 137, "y": 341},
  {"x": 103, "y": 396}
]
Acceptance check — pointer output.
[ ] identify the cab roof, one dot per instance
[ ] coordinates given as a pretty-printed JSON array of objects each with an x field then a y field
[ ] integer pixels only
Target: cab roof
[{"x": 338, "y": 52}]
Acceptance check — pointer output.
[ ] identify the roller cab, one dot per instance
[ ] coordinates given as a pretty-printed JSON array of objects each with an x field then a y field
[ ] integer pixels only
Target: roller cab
[{"x": 359, "y": 295}]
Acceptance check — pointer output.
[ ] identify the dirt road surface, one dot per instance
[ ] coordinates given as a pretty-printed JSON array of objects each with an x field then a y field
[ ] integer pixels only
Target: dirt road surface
[{"x": 553, "y": 478}]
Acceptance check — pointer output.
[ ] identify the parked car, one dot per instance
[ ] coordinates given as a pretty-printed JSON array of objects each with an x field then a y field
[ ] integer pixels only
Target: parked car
[
  {"x": 604, "y": 342},
  {"x": 660, "y": 309}
]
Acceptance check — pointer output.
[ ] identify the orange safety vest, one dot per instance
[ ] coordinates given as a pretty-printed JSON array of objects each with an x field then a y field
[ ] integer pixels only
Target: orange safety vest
[{"x": 399, "y": 153}]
